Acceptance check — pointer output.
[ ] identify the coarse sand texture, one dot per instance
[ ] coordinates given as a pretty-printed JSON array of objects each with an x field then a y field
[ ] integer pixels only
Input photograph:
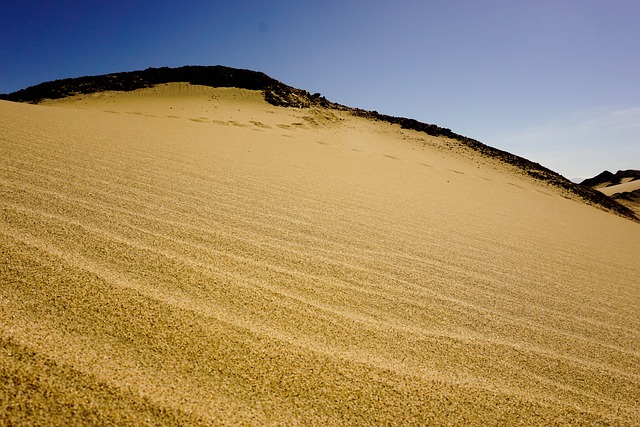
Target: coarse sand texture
[{"x": 187, "y": 255}]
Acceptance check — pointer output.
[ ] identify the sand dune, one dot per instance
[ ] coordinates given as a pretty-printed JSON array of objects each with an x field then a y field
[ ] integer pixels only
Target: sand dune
[{"x": 191, "y": 255}]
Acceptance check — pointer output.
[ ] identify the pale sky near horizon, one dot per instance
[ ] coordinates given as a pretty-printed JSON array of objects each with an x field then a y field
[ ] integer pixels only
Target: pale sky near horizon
[{"x": 556, "y": 81}]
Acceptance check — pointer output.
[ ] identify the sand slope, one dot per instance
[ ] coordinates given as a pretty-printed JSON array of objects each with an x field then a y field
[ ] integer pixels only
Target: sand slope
[{"x": 189, "y": 255}]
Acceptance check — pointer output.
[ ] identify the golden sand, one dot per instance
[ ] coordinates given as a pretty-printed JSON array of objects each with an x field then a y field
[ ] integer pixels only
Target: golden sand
[{"x": 189, "y": 255}]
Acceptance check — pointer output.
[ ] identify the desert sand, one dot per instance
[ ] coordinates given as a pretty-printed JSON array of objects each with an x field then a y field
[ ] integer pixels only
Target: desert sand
[{"x": 196, "y": 256}]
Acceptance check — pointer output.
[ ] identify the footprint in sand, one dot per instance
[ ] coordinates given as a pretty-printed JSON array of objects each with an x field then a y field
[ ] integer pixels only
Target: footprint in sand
[
  {"x": 260, "y": 125},
  {"x": 238, "y": 124}
]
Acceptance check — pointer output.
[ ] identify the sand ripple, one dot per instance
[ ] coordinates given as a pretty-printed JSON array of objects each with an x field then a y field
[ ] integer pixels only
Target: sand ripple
[{"x": 163, "y": 271}]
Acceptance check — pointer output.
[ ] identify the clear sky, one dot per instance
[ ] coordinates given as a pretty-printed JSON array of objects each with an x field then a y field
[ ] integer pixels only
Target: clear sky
[{"x": 554, "y": 81}]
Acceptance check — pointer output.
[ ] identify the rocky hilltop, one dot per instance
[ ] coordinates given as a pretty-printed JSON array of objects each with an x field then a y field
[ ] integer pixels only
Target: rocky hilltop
[
  {"x": 275, "y": 92},
  {"x": 608, "y": 179},
  {"x": 280, "y": 94},
  {"x": 623, "y": 187}
]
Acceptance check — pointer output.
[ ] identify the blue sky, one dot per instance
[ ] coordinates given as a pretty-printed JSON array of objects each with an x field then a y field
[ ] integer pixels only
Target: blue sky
[{"x": 554, "y": 81}]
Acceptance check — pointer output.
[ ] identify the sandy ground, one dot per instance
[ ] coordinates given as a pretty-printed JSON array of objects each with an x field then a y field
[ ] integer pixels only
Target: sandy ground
[{"x": 186, "y": 255}]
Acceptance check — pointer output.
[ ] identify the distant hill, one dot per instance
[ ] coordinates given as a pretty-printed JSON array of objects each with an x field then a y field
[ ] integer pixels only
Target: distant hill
[
  {"x": 280, "y": 94},
  {"x": 630, "y": 196},
  {"x": 607, "y": 179},
  {"x": 623, "y": 187}
]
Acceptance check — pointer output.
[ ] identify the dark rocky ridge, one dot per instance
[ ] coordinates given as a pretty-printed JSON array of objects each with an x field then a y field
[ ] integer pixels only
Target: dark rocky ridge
[
  {"x": 280, "y": 94},
  {"x": 215, "y": 76},
  {"x": 630, "y": 196},
  {"x": 610, "y": 178}
]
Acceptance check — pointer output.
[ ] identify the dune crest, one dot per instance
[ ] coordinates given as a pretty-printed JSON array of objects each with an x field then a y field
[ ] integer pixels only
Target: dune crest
[{"x": 196, "y": 255}]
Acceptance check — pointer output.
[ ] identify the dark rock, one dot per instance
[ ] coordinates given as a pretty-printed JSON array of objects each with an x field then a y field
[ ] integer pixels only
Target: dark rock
[
  {"x": 599, "y": 179},
  {"x": 275, "y": 92},
  {"x": 610, "y": 179},
  {"x": 631, "y": 196}
]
